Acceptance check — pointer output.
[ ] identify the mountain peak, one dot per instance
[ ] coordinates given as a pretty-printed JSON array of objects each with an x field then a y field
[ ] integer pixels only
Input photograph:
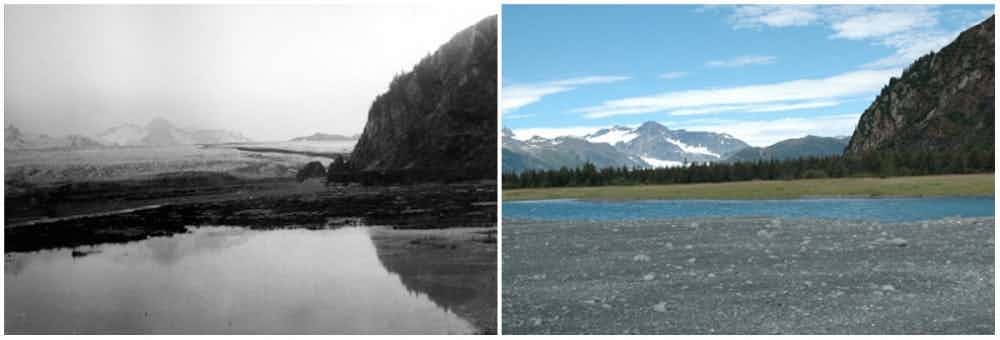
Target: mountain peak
[
  {"x": 158, "y": 123},
  {"x": 651, "y": 126},
  {"x": 319, "y": 136},
  {"x": 536, "y": 139}
]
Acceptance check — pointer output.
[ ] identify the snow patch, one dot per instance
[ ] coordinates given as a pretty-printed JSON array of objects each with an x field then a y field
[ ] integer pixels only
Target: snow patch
[
  {"x": 692, "y": 148},
  {"x": 613, "y": 136},
  {"x": 661, "y": 163}
]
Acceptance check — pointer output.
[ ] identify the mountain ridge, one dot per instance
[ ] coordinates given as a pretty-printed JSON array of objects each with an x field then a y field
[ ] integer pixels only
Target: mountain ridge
[
  {"x": 943, "y": 102},
  {"x": 441, "y": 114},
  {"x": 649, "y": 145},
  {"x": 808, "y": 146},
  {"x": 320, "y": 136},
  {"x": 158, "y": 132}
]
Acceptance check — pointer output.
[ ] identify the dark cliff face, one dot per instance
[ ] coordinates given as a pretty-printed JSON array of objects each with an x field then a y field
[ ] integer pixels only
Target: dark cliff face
[
  {"x": 943, "y": 102},
  {"x": 442, "y": 114}
]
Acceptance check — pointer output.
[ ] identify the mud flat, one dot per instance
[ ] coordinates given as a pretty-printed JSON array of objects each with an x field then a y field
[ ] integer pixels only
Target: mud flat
[
  {"x": 36, "y": 224},
  {"x": 749, "y": 276},
  {"x": 440, "y": 238}
]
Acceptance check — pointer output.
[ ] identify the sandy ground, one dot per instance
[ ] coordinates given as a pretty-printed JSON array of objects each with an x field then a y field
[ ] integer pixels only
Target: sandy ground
[
  {"x": 455, "y": 267},
  {"x": 749, "y": 276}
]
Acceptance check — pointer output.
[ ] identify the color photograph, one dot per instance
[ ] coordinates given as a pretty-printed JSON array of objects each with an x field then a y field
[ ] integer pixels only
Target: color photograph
[{"x": 757, "y": 169}]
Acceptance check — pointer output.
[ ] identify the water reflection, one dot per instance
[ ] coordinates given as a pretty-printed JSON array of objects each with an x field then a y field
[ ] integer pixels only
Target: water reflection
[{"x": 219, "y": 280}]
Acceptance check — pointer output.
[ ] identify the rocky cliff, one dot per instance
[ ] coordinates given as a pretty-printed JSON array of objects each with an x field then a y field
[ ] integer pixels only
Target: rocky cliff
[
  {"x": 442, "y": 114},
  {"x": 943, "y": 102}
]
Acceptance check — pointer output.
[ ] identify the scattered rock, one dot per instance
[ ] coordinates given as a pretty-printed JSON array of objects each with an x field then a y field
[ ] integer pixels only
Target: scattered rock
[
  {"x": 311, "y": 170},
  {"x": 660, "y": 307},
  {"x": 897, "y": 242}
]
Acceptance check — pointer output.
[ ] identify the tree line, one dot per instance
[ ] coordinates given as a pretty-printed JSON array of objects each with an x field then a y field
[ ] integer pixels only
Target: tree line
[{"x": 875, "y": 164}]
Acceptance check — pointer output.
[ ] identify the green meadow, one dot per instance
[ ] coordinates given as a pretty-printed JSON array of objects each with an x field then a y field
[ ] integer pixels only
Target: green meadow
[{"x": 915, "y": 186}]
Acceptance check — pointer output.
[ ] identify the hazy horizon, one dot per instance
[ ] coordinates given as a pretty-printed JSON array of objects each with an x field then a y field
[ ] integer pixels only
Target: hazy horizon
[{"x": 269, "y": 72}]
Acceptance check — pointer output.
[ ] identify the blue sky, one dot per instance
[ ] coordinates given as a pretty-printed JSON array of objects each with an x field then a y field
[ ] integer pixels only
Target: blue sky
[{"x": 760, "y": 73}]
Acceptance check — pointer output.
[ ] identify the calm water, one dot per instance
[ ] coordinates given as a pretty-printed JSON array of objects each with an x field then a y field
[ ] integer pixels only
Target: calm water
[
  {"x": 219, "y": 280},
  {"x": 880, "y": 209}
]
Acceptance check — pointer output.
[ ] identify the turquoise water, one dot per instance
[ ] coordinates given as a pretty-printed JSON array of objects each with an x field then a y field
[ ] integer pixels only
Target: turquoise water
[{"x": 878, "y": 209}]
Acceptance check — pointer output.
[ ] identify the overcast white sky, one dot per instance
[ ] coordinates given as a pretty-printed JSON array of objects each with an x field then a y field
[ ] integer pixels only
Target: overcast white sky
[{"x": 269, "y": 72}]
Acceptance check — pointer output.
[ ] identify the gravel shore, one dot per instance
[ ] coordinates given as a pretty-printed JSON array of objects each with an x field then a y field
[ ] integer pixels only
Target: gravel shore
[{"x": 748, "y": 276}]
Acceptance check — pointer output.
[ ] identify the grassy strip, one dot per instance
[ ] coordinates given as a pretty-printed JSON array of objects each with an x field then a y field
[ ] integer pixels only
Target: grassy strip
[{"x": 944, "y": 185}]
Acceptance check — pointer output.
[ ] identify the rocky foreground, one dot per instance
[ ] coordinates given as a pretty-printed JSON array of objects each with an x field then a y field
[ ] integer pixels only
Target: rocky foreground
[{"x": 749, "y": 276}]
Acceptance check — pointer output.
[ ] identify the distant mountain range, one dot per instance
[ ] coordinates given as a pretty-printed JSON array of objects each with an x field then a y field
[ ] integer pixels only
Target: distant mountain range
[
  {"x": 322, "y": 137},
  {"x": 808, "y": 146},
  {"x": 158, "y": 132},
  {"x": 570, "y": 152},
  {"x": 14, "y": 139},
  {"x": 657, "y": 145},
  {"x": 651, "y": 145}
]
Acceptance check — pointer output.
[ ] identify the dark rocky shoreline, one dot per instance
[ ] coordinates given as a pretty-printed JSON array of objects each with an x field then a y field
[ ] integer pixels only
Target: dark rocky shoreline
[{"x": 258, "y": 205}]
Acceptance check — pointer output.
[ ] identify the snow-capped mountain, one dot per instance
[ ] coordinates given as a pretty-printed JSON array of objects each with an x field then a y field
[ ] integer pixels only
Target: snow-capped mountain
[
  {"x": 567, "y": 151},
  {"x": 649, "y": 145},
  {"x": 659, "y": 145},
  {"x": 158, "y": 132}
]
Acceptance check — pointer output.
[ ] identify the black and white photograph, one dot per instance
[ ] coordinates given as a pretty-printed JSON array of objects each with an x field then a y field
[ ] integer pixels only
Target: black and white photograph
[{"x": 251, "y": 169}]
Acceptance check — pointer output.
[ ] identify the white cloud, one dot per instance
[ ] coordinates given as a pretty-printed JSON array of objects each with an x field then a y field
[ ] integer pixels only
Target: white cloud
[
  {"x": 774, "y": 16},
  {"x": 766, "y": 132},
  {"x": 519, "y": 95},
  {"x": 518, "y": 115},
  {"x": 673, "y": 75},
  {"x": 756, "y": 108},
  {"x": 911, "y": 31},
  {"x": 909, "y": 47},
  {"x": 741, "y": 61},
  {"x": 794, "y": 106},
  {"x": 575, "y": 131},
  {"x": 771, "y": 97},
  {"x": 882, "y": 23},
  {"x": 589, "y": 80}
]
